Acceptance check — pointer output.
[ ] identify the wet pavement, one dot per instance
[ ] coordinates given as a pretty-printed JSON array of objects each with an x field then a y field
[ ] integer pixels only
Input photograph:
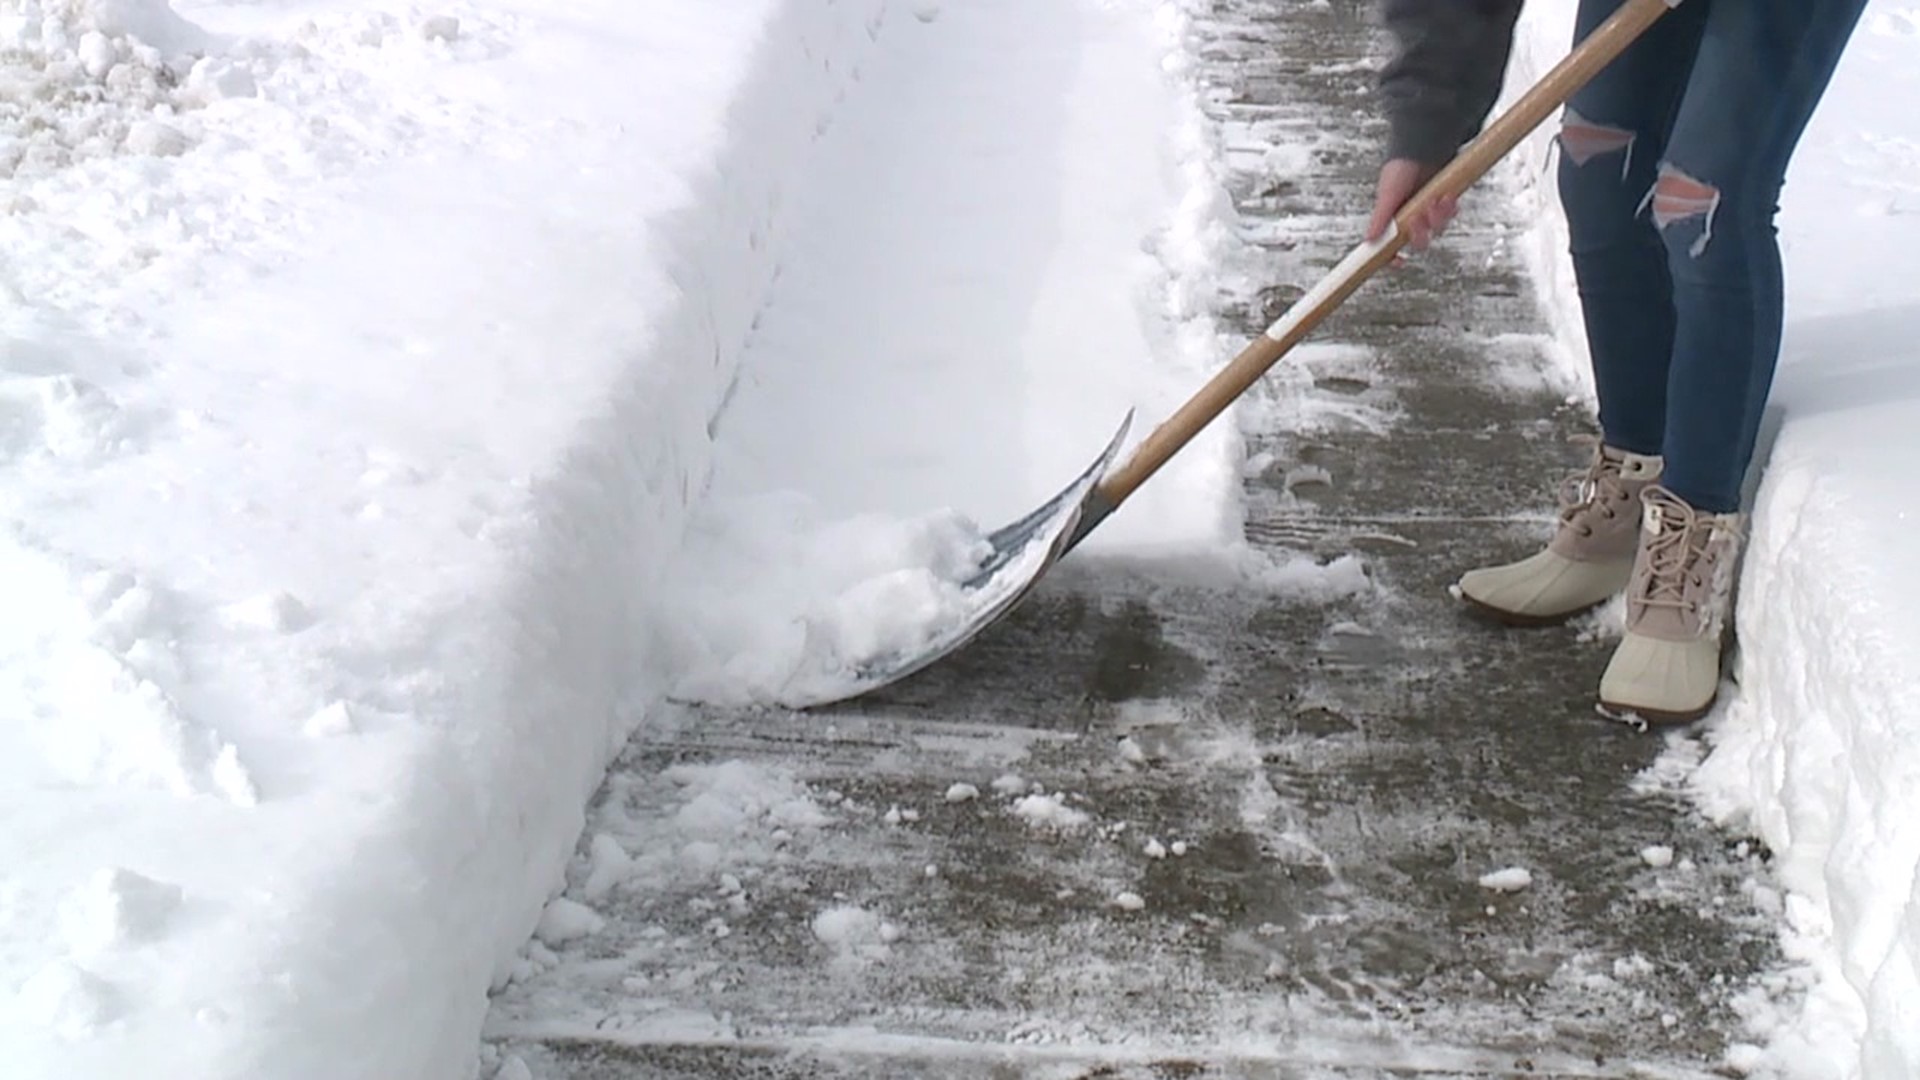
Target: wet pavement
[{"x": 1205, "y": 831}]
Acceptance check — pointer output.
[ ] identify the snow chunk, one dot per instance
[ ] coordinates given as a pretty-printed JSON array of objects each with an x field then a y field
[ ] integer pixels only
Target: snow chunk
[
  {"x": 69, "y": 1000},
  {"x": 231, "y": 779},
  {"x": 1632, "y": 967},
  {"x": 1745, "y": 1058},
  {"x": 565, "y": 920},
  {"x": 156, "y": 139},
  {"x": 1009, "y": 784},
  {"x": 1155, "y": 849},
  {"x": 117, "y": 907},
  {"x": 959, "y": 793},
  {"x": 1511, "y": 879},
  {"x": 856, "y": 935},
  {"x": 735, "y": 797},
  {"x": 440, "y": 27},
  {"x": 97, "y": 54},
  {"x": 277, "y": 612},
  {"x": 129, "y": 615},
  {"x": 1048, "y": 811},
  {"x": 1129, "y": 901},
  {"x": 608, "y": 866},
  {"x": 331, "y": 720},
  {"x": 1658, "y": 856},
  {"x": 212, "y": 78}
]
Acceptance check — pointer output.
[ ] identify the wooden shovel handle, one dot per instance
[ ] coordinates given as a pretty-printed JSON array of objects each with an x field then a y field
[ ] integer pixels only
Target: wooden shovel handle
[{"x": 1593, "y": 53}]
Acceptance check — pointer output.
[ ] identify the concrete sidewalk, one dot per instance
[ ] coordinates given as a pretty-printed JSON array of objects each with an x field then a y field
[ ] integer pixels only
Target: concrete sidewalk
[{"x": 1205, "y": 833}]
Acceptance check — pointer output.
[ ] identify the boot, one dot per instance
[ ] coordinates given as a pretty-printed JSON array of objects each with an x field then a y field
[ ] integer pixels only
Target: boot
[
  {"x": 1590, "y": 556},
  {"x": 1667, "y": 667}
]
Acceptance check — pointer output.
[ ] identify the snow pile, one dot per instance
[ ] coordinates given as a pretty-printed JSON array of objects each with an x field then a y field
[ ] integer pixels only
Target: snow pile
[
  {"x": 83, "y": 79},
  {"x": 1818, "y": 748},
  {"x": 789, "y": 603},
  {"x": 356, "y": 369}
]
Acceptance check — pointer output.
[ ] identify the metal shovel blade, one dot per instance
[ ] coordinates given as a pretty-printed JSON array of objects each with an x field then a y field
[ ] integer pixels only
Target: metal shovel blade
[{"x": 1021, "y": 552}]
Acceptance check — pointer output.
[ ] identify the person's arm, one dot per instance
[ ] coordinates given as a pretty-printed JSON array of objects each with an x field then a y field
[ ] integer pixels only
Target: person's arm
[
  {"x": 1450, "y": 58},
  {"x": 1449, "y": 61}
]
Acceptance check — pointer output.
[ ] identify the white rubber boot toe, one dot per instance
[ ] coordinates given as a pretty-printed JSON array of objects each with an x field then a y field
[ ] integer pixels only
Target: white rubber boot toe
[
  {"x": 1662, "y": 681},
  {"x": 1544, "y": 588}
]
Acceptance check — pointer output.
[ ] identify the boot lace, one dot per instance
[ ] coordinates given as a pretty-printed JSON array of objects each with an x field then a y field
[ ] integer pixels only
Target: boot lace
[
  {"x": 1594, "y": 490},
  {"x": 1674, "y": 554}
]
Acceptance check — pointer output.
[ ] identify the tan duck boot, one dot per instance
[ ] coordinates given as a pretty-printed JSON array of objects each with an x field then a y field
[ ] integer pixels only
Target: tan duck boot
[
  {"x": 1667, "y": 667},
  {"x": 1590, "y": 557}
]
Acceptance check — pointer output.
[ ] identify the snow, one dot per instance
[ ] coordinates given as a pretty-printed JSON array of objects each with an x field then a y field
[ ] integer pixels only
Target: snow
[
  {"x": 1050, "y": 812},
  {"x": 855, "y": 935},
  {"x": 1816, "y": 749},
  {"x": 1508, "y": 879},
  {"x": 118, "y": 907},
  {"x": 343, "y": 365},
  {"x": 1009, "y": 784},
  {"x": 399, "y": 403},
  {"x": 565, "y": 920}
]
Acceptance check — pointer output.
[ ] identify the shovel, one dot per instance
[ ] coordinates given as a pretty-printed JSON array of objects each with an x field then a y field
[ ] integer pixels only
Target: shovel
[{"x": 1021, "y": 552}]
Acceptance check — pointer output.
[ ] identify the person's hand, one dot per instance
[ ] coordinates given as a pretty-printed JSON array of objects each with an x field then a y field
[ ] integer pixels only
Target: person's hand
[{"x": 1399, "y": 180}]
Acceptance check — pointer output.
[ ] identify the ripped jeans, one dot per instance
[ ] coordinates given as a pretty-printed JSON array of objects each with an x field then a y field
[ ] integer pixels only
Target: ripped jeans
[{"x": 1672, "y": 161}]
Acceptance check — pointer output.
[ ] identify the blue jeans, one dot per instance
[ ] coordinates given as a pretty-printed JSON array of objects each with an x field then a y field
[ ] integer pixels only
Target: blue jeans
[{"x": 1672, "y": 161}]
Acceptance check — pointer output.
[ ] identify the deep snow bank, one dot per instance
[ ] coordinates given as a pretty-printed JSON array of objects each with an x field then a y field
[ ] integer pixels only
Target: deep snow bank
[
  {"x": 325, "y": 330},
  {"x": 1817, "y": 750}
]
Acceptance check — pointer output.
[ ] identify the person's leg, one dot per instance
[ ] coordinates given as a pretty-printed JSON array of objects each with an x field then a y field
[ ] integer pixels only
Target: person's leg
[
  {"x": 1762, "y": 68},
  {"x": 1614, "y": 132},
  {"x": 1611, "y": 138}
]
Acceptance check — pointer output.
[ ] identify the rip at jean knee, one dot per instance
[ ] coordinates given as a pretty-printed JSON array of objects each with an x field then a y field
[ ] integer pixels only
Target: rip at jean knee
[
  {"x": 1679, "y": 197},
  {"x": 1582, "y": 140}
]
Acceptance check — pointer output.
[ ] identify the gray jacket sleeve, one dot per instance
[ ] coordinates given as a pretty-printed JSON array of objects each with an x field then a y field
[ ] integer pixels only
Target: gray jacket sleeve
[{"x": 1450, "y": 58}]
